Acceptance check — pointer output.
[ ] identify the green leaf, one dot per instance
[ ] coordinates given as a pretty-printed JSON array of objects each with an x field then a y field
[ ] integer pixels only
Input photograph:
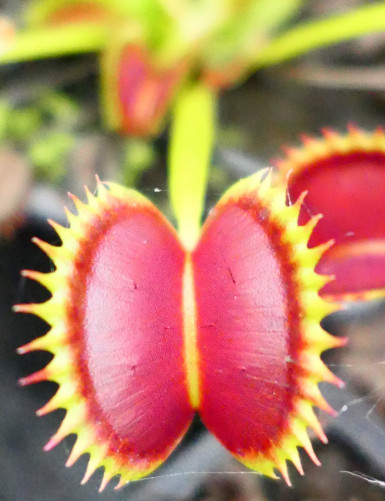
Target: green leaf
[
  {"x": 320, "y": 33},
  {"x": 37, "y": 12},
  {"x": 266, "y": 15},
  {"x": 192, "y": 137},
  {"x": 55, "y": 41}
]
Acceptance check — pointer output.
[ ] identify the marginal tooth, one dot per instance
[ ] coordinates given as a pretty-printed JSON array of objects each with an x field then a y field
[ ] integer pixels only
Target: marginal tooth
[
  {"x": 303, "y": 438},
  {"x": 304, "y": 409},
  {"x": 90, "y": 196},
  {"x": 337, "y": 342},
  {"x": 51, "y": 372},
  {"x": 60, "y": 400},
  {"x": 90, "y": 470},
  {"x": 282, "y": 467},
  {"x": 56, "y": 439},
  {"x": 323, "y": 280},
  {"x": 98, "y": 182},
  {"x": 291, "y": 213},
  {"x": 329, "y": 134},
  {"x": 310, "y": 391},
  {"x": 333, "y": 379},
  {"x": 54, "y": 252},
  {"x": 121, "y": 483},
  {"x": 48, "y": 280},
  {"x": 322, "y": 248},
  {"x": 57, "y": 253},
  {"x": 315, "y": 148},
  {"x": 314, "y": 365},
  {"x": 85, "y": 211},
  {"x": 39, "y": 343},
  {"x": 74, "y": 223},
  {"x": 323, "y": 341},
  {"x": 290, "y": 216},
  {"x": 307, "y": 229},
  {"x": 107, "y": 475},
  {"x": 317, "y": 339},
  {"x": 293, "y": 455},
  {"x": 52, "y": 341},
  {"x": 308, "y": 140},
  {"x": 50, "y": 406},
  {"x": 68, "y": 236},
  {"x": 75, "y": 416},
  {"x": 94, "y": 462},
  {"x": 49, "y": 311},
  {"x": 80, "y": 206},
  {"x": 298, "y": 203},
  {"x": 335, "y": 141},
  {"x": 289, "y": 151},
  {"x": 24, "y": 308},
  {"x": 103, "y": 192},
  {"x": 267, "y": 468},
  {"x": 61, "y": 231},
  {"x": 36, "y": 377},
  {"x": 83, "y": 442}
]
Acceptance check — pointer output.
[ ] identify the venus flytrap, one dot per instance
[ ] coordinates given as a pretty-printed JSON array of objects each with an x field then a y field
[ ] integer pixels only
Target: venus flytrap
[
  {"x": 344, "y": 175},
  {"x": 150, "y": 325},
  {"x": 221, "y": 319},
  {"x": 150, "y": 49}
]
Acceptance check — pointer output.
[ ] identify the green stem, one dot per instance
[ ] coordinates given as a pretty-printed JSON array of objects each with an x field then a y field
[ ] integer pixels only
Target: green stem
[
  {"x": 55, "y": 41},
  {"x": 192, "y": 137},
  {"x": 320, "y": 33}
]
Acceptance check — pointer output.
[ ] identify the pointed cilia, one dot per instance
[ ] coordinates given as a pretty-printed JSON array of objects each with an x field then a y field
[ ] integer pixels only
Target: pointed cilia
[
  {"x": 344, "y": 175},
  {"x": 145, "y": 332}
]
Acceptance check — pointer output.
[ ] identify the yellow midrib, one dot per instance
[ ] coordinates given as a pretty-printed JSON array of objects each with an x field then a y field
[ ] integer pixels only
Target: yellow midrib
[{"x": 189, "y": 312}]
